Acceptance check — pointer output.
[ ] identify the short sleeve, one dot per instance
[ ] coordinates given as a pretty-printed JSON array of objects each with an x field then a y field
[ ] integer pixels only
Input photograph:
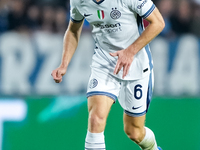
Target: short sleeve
[
  {"x": 142, "y": 7},
  {"x": 74, "y": 13}
]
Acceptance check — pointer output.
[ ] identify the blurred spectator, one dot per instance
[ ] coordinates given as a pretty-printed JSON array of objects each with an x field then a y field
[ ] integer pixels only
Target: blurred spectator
[
  {"x": 17, "y": 19},
  {"x": 63, "y": 3},
  {"x": 4, "y": 15},
  {"x": 33, "y": 14},
  {"x": 196, "y": 19},
  {"x": 60, "y": 20},
  {"x": 48, "y": 18},
  {"x": 181, "y": 20},
  {"x": 166, "y": 9}
]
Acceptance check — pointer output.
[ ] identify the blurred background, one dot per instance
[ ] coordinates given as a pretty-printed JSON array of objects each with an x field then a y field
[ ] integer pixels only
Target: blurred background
[{"x": 37, "y": 114}]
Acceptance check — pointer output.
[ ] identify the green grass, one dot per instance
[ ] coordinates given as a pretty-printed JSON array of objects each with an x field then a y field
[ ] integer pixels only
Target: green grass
[{"x": 175, "y": 122}]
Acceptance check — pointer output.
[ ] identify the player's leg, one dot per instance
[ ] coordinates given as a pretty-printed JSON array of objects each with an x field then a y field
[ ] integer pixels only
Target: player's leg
[
  {"x": 134, "y": 127},
  {"x": 102, "y": 92},
  {"x": 135, "y": 98},
  {"x": 137, "y": 132},
  {"x": 98, "y": 107}
]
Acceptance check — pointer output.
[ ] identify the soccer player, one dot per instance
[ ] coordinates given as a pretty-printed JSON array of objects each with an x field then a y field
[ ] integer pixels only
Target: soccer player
[{"x": 121, "y": 67}]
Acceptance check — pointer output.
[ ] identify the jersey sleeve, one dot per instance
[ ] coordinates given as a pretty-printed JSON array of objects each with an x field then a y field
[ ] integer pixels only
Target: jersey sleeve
[
  {"x": 75, "y": 15},
  {"x": 142, "y": 7}
]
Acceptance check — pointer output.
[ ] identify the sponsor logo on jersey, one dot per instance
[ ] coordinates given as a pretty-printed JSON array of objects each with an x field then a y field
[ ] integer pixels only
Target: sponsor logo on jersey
[
  {"x": 102, "y": 26},
  {"x": 115, "y": 14},
  {"x": 141, "y": 5},
  {"x": 93, "y": 83},
  {"x": 109, "y": 28},
  {"x": 100, "y": 14}
]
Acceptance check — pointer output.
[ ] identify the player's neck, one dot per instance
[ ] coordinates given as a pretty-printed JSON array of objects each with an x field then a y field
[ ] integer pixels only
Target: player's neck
[{"x": 97, "y": 1}]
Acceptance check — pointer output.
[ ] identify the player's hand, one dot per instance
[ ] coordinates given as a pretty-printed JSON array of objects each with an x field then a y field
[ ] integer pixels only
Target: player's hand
[
  {"x": 125, "y": 58},
  {"x": 58, "y": 73}
]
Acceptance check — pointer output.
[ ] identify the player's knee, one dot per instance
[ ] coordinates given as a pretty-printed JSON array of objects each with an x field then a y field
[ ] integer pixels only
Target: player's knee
[
  {"x": 96, "y": 121},
  {"x": 135, "y": 134},
  {"x": 136, "y": 137}
]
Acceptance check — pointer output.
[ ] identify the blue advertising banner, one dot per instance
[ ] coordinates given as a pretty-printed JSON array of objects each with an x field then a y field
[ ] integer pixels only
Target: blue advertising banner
[{"x": 26, "y": 63}]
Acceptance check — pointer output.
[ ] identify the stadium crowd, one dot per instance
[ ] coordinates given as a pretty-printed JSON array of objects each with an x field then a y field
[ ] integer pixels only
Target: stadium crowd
[
  {"x": 32, "y": 15},
  {"x": 181, "y": 16}
]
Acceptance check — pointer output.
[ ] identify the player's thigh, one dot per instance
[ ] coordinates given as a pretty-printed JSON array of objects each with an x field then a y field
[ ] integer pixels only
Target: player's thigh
[
  {"x": 102, "y": 92},
  {"x": 131, "y": 123},
  {"x": 99, "y": 105}
]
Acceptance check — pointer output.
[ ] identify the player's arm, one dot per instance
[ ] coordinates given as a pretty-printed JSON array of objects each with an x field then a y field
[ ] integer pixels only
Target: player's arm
[
  {"x": 155, "y": 27},
  {"x": 70, "y": 43},
  {"x": 125, "y": 57}
]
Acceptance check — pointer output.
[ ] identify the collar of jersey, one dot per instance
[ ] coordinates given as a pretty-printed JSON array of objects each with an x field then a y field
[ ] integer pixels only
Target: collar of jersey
[{"x": 98, "y": 2}]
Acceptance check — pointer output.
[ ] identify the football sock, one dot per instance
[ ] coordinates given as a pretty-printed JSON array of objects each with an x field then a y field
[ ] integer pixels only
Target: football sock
[
  {"x": 149, "y": 141},
  {"x": 95, "y": 141}
]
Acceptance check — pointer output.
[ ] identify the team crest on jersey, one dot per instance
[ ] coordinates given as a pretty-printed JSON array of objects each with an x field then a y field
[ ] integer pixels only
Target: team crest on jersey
[
  {"x": 100, "y": 14},
  {"x": 93, "y": 83},
  {"x": 115, "y": 14}
]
